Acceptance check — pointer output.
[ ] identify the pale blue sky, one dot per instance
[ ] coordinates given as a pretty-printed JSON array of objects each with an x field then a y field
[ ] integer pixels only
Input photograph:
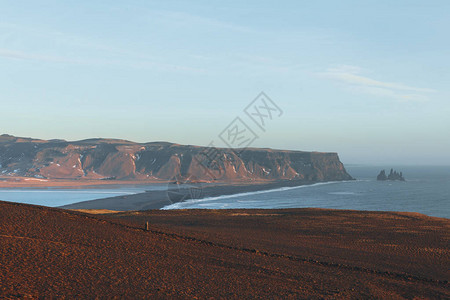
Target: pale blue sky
[{"x": 367, "y": 79}]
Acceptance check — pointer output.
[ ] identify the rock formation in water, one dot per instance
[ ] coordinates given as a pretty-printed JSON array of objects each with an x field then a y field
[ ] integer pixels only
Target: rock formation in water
[
  {"x": 393, "y": 175},
  {"x": 111, "y": 159}
]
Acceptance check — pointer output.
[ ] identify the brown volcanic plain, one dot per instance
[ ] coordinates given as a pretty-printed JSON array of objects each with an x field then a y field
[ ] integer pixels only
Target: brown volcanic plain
[{"x": 293, "y": 253}]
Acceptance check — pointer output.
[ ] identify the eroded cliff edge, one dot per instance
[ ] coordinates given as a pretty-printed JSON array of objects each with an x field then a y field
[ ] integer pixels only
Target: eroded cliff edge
[{"x": 120, "y": 159}]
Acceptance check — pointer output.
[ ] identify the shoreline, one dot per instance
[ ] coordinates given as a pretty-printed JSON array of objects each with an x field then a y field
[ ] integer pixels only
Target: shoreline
[
  {"x": 262, "y": 191},
  {"x": 31, "y": 182},
  {"x": 160, "y": 199}
]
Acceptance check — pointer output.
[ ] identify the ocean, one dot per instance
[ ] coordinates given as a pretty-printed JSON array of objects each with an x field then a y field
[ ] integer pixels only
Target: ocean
[
  {"x": 426, "y": 190},
  {"x": 54, "y": 197}
]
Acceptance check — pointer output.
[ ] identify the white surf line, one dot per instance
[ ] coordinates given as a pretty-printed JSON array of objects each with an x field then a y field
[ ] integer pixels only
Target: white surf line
[{"x": 178, "y": 204}]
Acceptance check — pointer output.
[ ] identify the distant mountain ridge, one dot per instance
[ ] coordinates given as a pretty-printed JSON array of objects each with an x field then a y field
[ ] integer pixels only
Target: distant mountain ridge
[{"x": 121, "y": 159}]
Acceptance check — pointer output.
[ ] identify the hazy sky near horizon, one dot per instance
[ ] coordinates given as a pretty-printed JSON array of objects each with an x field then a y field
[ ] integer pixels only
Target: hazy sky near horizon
[{"x": 367, "y": 79}]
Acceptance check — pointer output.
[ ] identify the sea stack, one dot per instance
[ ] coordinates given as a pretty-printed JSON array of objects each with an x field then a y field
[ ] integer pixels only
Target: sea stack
[{"x": 393, "y": 175}]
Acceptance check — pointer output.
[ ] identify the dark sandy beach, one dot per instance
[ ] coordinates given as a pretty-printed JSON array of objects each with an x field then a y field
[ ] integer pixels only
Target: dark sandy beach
[
  {"x": 292, "y": 253},
  {"x": 159, "y": 199}
]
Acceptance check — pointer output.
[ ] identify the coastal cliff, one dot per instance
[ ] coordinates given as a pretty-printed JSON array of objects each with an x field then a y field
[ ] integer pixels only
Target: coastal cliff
[{"x": 111, "y": 159}]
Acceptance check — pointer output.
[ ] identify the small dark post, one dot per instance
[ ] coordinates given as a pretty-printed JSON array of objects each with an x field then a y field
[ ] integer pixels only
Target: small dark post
[{"x": 146, "y": 226}]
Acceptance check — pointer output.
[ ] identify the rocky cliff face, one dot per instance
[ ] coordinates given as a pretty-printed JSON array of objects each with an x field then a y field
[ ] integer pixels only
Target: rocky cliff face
[{"x": 119, "y": 159}]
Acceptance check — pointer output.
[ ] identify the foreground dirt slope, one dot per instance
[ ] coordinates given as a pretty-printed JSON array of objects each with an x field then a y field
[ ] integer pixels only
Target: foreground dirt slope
[
  {"x": 49, "y": 253},
  {"x": 410, "y": 243}
]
